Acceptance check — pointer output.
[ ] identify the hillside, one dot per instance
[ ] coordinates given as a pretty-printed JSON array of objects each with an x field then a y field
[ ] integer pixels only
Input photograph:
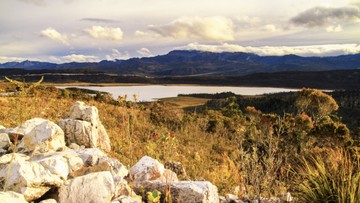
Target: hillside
[
  {"x": 335, "y": 79},
  {"x": 195, "y": 63}
]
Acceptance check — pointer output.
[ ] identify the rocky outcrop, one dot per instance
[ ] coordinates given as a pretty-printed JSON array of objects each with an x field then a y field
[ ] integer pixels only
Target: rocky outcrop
[
  {"x": 38, "y": 136},
  {"x": 38, "y": 166},
  {"x": 12, "y": 197},
  {"x": 84, "y": 127},
  {"x": 93, "y": 187}
]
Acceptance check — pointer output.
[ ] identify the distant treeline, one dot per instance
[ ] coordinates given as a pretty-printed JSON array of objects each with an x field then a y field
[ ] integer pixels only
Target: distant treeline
[{"x": 333, "y": 80}]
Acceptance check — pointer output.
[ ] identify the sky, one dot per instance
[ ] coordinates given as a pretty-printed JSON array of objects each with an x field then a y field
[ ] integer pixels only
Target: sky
[{"x": 63, "y": 31}]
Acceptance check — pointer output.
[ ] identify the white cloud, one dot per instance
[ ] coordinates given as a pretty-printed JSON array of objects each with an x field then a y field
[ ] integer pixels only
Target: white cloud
[
  {"x": 144, "y": 52},
  {"x": 313, "y": 50},
  {"x": 55, "y": 35},
  {"x": 216, "y": 28},
  {"x": 107, "y": 33},
  {"x": 4, "y": 59},
  {"x": 247, "y": 21},
  {"x": 270, "y": 28},
  {"x": 79, "y": 58},
  {"x": 333, "y": 28},
  {"x": 116, "y": 54}
]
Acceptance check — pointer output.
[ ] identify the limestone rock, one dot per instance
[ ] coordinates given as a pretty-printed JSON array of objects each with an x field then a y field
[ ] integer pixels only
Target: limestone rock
[
  {"x": 94, "y": 187},
  {"x": 57, "y": 165},
  {"x": 126, "y": 199},
  {"x": 27, "y": 177},
  {"x": 40, "y": 135},
  {"x": 90, "y": 156},
  {"x": 48, "y": 201},
  {"x": 184, "y": 191},
  {"x": 84, "y": 127},
  {"x": 148, "y": 168},
  {"x": 12, "y": 197},
  {"x": 4, "y": 141},
  {"x": 115, "y": 166},
  {"x": 2, "y": 127}
]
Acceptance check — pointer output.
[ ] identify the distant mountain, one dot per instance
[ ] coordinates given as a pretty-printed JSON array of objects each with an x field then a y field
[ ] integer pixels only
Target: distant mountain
[{"x": 200, "y": 63}]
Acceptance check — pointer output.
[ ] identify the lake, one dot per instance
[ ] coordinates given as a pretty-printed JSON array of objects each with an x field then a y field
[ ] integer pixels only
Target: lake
[{"x": 154, "y": 92}]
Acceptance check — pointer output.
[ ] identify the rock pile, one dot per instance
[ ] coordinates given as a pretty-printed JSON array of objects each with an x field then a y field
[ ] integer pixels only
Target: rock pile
[{"x": 66, "y": 163}]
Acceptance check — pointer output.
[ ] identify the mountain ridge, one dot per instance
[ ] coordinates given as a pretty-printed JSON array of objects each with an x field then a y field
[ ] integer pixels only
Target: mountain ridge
[{"x": 193, "y": 62}]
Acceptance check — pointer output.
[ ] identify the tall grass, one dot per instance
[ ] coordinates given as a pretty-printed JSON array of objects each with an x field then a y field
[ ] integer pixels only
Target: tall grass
[{"x": 330, "y": 177}]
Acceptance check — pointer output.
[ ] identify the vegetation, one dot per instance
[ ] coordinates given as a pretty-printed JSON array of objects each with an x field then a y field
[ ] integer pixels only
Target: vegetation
[{"x": 250, "y": 150}]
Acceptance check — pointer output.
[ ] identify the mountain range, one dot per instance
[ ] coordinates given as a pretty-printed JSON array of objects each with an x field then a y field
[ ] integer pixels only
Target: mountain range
[{"x": 201, "y": 63}]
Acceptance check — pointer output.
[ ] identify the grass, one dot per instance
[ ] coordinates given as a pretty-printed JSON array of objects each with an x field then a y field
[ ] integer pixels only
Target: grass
[
  {"x": 333, "y": 177},
  {"x": 184, "y": 102},
  {"x": 225, "y": 154}
]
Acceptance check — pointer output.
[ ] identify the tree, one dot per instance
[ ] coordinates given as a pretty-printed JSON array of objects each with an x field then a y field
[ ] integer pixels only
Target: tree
[{"x": 315, "y": 103}]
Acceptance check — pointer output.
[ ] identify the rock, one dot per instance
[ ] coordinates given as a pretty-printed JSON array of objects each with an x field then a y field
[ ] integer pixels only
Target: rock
[
  {"x": 222, "y": 199},
  {"x": 94, "y": 187},
  {"x": 75, "y": 146},
  {"x": 231, "y": 197},
  {"x": 90, "y": 156},
  {"x": 27, "y": 177},
  {"x": 183, "y": 191},
  {"x": 40, "y": 136},
  {"x": 115, "y": 166},
  {"x": 48, "y": 201},
  {"x": 2, "y": 127},
  {"x": 85, "y": 128},
  {"x": 148, "y": 168},
  {"x": 176, "y": 167},
  {"x": 4, "y": 141},
  {"x": 57, "y": 165},
  {"x": 12, "y": 197},
  {"x": 126, "y": 199}
]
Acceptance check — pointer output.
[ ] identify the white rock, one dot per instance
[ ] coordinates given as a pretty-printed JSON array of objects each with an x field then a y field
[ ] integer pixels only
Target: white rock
[
  {"x": 12, "y": 197},
  {"x": 184, "y": 191},
  {"x": 40, "y": 135},
  {"x": 74, "y": 162},
  {"x": 79, "y": 132},
  {"x": 28, "y": 178},
  {"x": 287, "y": 197},
  {"x": 93, "y": 187},
  {"x": 117, "y": 168},
  {"x": 2, "y": 127},
  {"x": 80, "y": 111},
  {"x": 231, "y": 197},
  {"x": 57, "y": 165},
  {"x": 126, "y": 199},
  {"x": 5, "y": 159},
  {"x": 74, "y": 146},
  {"x": 148, "y": 168},
  {"x": 85, "y": 128},
  {"x": 4, "y": 141},
  {"x": 90, "y": 156},
  {"x": 48, "y": 201}
]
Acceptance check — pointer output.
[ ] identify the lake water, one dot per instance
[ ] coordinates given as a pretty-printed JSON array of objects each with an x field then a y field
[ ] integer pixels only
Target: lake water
[{"x": 154, "y": 92}]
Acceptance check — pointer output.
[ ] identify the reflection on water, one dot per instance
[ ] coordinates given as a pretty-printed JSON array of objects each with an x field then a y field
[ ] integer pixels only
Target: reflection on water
[{"x": 153, "y": 92}]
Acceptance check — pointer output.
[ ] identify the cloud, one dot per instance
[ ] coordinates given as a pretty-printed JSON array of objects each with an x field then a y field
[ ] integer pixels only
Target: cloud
[
  {"x": 116, "y": 54},
  {"x": 216, "y": 28},
  {"x": 247, "y": 21},
  {"x": 4, "y": 59},
  {"x": 42, "y": 2},
  {"x": 100, "y": 20},
  {"x": 144, "y": 52},
  {"x": 313, "y": 50},
  {"x": 79, "y": 58},
  {"x": 107, "y": 33},
  {"x": 333, "y": 28},
  {"x": 325, "y": 16},
  {"x": 55, "y": 35}
]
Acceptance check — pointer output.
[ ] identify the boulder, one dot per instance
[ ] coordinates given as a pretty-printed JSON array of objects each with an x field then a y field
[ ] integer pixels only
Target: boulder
[
  {"x": 57, "y": 165},
  {"x": 183, "y": 191},
  {"x": 90, "y": 156},
  {"x": 39, "y": 136},
  {"x": 27, "y": 177},
  {"x": 126, "y": 199},
  {"x": 48, "y": 201},
  {"x": 115, "y": 166},
  {"x": 4, "y": 141},
  {"x": 2, "y": 127},
  {"x": 84, "y": 127},
  {"x": 12, "y": 197},
  {"x": 148, "y": 168},
  {"x": 94, "y": 187}
]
